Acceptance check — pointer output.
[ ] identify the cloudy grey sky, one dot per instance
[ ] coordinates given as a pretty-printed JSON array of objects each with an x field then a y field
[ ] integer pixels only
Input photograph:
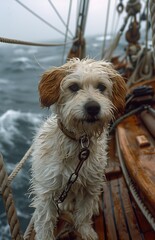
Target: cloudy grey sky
[{"x": 16, "y": 22}]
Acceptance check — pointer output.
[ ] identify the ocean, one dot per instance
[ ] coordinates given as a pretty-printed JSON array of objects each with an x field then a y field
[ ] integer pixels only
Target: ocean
[{"x": 21, "y": 114}]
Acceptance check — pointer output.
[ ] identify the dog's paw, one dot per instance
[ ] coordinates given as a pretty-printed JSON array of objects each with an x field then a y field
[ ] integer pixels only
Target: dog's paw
[{"x": 87, "y": 232}]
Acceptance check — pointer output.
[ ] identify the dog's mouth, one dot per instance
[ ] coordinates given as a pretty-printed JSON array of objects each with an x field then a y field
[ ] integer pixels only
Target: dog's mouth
[{"x": 91, "y": 120}]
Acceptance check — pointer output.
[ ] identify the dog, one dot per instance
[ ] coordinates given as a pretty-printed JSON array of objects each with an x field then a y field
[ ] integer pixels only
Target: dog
[{"x": 85, "y": 95}]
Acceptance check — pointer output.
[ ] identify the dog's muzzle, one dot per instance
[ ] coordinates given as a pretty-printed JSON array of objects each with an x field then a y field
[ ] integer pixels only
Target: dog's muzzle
[{"x": 92, "y": 109}]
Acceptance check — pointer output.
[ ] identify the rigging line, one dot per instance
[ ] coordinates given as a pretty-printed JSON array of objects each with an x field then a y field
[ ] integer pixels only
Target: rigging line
[
  {"x": 68, "y": 19},
  {"x": 40, "y": 18},
  {"x": 114, "y": 19},
  {"x": 146, "y": 34},
  {"x": 106, "y": 27},
  {"x": 116, "y": 23},
  {"x": 152, "y": 13},
  {"x": 19, "y": 42},
  {"x": 56, "y": 11},
  {"x": 86, "y": 14}
]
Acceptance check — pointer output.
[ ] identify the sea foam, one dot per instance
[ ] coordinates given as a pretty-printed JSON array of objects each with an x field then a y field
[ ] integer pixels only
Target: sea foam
[{"x": 11, "y": 121}]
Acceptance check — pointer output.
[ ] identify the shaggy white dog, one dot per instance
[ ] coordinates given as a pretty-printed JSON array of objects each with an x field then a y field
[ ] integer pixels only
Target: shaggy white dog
[{"x": 86, "y": 95}]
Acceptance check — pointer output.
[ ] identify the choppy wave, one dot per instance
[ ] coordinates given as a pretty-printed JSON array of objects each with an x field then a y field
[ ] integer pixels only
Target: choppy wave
[
  {"x": 5, "y": 231},
  {"x": 48, "y": 59},
  {"x": 24, "y": 51},
  {"x": 4, "y": 81},
  {"x": 23, "y": 63},
  {"x": 16, "y": 131},
  {"x": 101, "y": 38},
  {"x": 14, "y": 123}
]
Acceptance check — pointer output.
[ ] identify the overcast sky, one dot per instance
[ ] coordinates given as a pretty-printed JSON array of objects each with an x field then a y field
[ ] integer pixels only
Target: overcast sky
[{"x": 16, "y": 22}]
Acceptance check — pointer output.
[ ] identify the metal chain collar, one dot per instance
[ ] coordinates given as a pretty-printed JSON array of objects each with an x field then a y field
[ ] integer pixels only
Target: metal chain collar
[{"x": 83, "y": 155}]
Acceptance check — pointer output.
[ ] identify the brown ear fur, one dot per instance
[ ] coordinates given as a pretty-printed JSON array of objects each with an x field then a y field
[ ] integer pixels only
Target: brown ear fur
[
  {"x": 119, "y": 90},
  {"x": 119, "y": 93},
  {"x": 49, "y": 86}
]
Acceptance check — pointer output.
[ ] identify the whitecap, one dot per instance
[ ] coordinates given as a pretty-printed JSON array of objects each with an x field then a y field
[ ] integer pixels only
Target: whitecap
[
  {"x": 10, "y": 167},
  {"x": 21, "y": 60},
  {"x": 23, "y": 214},
  {"x": 95, "y": 45},
  {"x": 23, "y": 51},
  {"x": 9, "y": 124},
  {"x": 47, "y": 59},
  {"x": 101, "y": 38},
  {"x": 5, "y": 231},
  {"x": 23, "y": 63},
  {"x": 4, "y": 81},
  {"x": 19, "y": 51},
  {"x": 32, "y": 50}
]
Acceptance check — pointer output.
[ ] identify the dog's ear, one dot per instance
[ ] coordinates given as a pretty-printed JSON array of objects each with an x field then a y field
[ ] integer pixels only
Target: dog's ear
[
  {"x": 49, "y": 86},
  {"x": 119, "y": 89},
  {"x": 119, "y": 93}
]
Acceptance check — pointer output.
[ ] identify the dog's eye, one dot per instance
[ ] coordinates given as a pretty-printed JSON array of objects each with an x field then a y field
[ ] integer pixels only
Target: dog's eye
[
  {"x": 74, "y": 87},
  {"x": 101, "y": 87}
]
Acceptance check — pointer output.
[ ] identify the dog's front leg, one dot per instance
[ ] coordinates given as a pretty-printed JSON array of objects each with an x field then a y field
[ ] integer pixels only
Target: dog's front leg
[
  {"x": 45, "y": 217},
  {"x": 83, "y": 216}
]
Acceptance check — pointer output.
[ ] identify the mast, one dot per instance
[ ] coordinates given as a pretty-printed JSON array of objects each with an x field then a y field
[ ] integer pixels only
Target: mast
[{"x": 78, "y": 47}]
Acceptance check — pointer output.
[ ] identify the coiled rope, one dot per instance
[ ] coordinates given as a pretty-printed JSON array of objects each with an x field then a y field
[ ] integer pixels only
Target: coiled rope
[
  {"x": 152, "y": 12},
  {"x": 7, "y": 196}
]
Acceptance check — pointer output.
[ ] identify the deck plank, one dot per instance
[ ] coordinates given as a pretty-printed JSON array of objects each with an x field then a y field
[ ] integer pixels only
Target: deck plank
[
  {"x": 109, "y": 214},
  {"x": 132, "y": 225},
  {"x": 122, "y": 230},
  {"x": 99, "y": 226}
]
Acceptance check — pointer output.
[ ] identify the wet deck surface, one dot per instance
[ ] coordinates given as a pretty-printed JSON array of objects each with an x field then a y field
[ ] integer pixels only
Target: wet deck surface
[{"x": 120, "y": 217}]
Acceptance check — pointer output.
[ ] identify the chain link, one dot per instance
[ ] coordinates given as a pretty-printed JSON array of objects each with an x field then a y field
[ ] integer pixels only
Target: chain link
[{"x": 83, "y": 155}]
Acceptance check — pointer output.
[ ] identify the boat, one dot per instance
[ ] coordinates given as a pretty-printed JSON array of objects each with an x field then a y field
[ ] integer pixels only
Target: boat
[{"x": 128, "y": 198}]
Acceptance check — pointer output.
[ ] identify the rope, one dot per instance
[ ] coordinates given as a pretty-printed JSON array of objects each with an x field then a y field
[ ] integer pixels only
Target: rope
[
  {"x": 68, "y": 19},
  {"x": 7, "y": 196},
  {"x": 120, "y": 119},
  {"x": 133, "y": 191},
  {"x": 114, "y": 18},
  {"x": 61, "y": 19},
  {"x": 30, "y": 232},
  {"x": 147, "y": 25},
  {"x": 143, "y": 67},
  {"x": 20, "y": 164},
  {"x": 152, "y": 11},
  {"x": 19, "y": 42},
  {"x": 40, "y": 18},
  {"x": 114, "y": 44},
  {"x": 146, "y": 68},
  {"x": 106, "y": 27}
]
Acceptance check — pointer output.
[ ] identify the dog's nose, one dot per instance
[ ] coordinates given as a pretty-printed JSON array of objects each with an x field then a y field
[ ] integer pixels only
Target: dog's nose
[{"x": 92, "y": 108}]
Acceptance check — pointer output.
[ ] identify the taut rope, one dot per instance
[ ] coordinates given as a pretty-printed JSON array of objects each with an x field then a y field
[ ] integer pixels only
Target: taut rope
[
  {"x": 61, "y": 19},
  {"x": 40, "y": 18},
  {"x": 19, "y": 42},
  {"x": 152, "y": 11},
  {"x": 20, "y": 164}
]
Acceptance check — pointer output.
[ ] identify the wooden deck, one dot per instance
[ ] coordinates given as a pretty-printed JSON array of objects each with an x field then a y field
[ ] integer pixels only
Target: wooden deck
[{"x": 120, "y": 217}]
